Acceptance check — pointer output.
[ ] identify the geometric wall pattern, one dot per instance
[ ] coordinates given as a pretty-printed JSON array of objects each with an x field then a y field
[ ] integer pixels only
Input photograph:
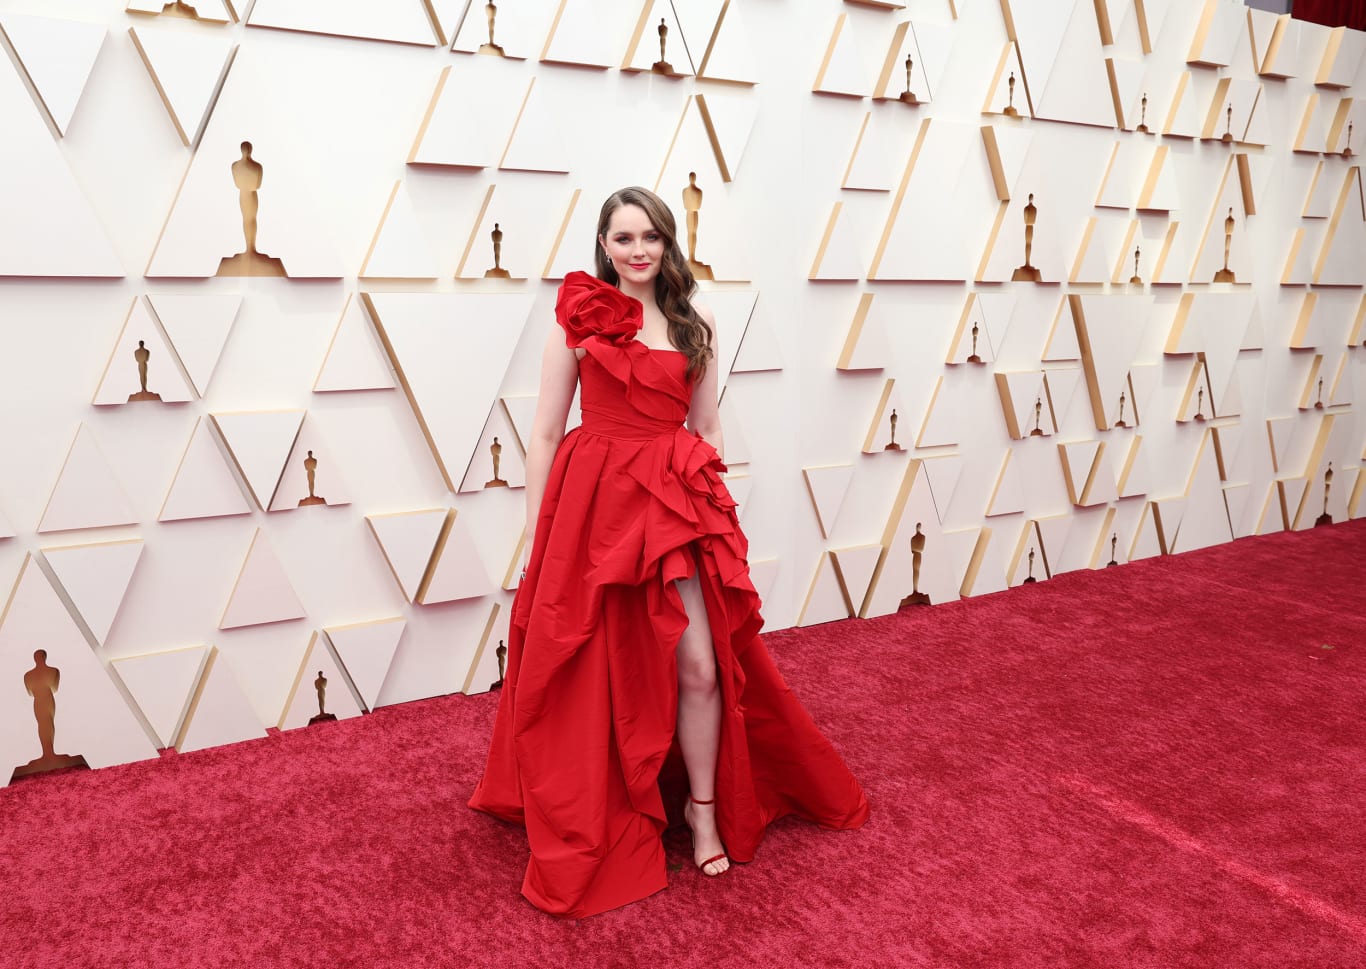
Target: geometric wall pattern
[{"x": 1004, "y": 289}]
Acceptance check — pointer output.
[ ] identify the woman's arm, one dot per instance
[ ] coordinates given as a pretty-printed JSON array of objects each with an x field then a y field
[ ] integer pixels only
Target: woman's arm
[
  {"x": 704, "y": 416},
  {"x": 559, "y": 377}
]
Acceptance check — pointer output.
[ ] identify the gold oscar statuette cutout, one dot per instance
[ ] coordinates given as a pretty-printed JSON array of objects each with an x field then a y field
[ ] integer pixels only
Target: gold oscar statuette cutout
[
  {"x": 662, "y": 66},
  {"x": 973, "y": 357},
  {"x": 1030, "y": 578},
  {"x": 692, "y": 205},
  {"x": 1114, "y": 541},
  {"x": 1038, "y": 416},
  {"x": 502, "y": 653},
  {"x": 497, "y": 272},
  {"x": 1200, "y": 405},
  {"x": 1120, "y": 422},
  {"x": 247, "y": 174},
  {"x": 1318, "y": 404},
  {"x": 41, "y": 683},
  {"x": 1227, "y": 136},
  {"x": 1143, "y": 115},
  {"x": 1027, "y": 273},
  {"x": 1347, "y": 150},
  {"x": 142, "y": 355},
  {"x": 491, "y": 14},
  {"x": 916, "y": 598},
  {"x": 320, "y": 685},
  {"x": 1226, "y": 275},
  {"x": 1325, "y": 518},
  {"x": 1011, "y": 111},
  {"x": 1136, "y": 279},
  {"x": 311, "y": 469},
  {"x": 907, "y": 97},
  {"x": 891, "y": 444},
  {"x": 179, "y": 9},
  {"x": 496, "y": 452}
]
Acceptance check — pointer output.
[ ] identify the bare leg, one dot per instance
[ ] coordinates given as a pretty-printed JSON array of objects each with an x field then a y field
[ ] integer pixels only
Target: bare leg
[{"x": 699, "y": 724}]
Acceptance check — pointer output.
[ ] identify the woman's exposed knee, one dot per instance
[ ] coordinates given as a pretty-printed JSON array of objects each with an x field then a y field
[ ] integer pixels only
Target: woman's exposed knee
[{"x": 697, "y": 674}]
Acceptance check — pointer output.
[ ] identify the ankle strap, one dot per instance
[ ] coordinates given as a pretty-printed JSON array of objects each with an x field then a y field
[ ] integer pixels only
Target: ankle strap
[{"x": 696, "y": 801}]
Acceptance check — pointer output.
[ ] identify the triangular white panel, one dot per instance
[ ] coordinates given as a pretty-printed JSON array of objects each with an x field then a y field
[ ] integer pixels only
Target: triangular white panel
[
  {"x": 846, "y": 68},
  {"x": 1076, "y": 89},
  {"x": 321, "y": 686},
  {"x": 260, "y": 442},
  {"x": 737, "y": 443},
  {"x": 873, "y": 164},
  {"x": 122, "y": 374},
  {"x": 204, "y": 486},
  {"x": 895, "y": 577},
  {"x": 887, "y": 431},
  {"x": 825, "y": 599},
  {"x": 355, "y": 360},
  {"x": 400, "y": 249},
  {"x": 499, "y": 438},
  {"x": 515, "y": 29},
  {"x": 428, "y": 336},
  {"x": 827, "y": 485},
  {"x": 728, "y": 55},
  {"x": 262, "y": 592},
  {"x": 484, "y": 669},
  {"x": 162, "y": 685},
  {"x": 760, "y": 349},
  {"x": 92, "y": 720},
  {"x": 1092, "y": 262},
  {"x": 401, "y": 23},
  {"x": 458, "y": 572},
  {"x": 733, "y": 309},
  {"x": 521, "y": 412},
  {"x": 204, "y": 231},
  {"x": 540, "y": 141},
  {"x": 198, "y": 325},
  {"x": 472, "y": 111},
  {"x": 310, "y": 453},
  {"x": 220, "y": 712},
  {"x": 644, "y": 50},
  {"x": 577, "y": 35},
  {"x": 866, "y": 347},
  {"x": 367, "y": 649},
  {"x": 407, "y": 539},
  {"x": 96, "y": 577},
  {"x": 1205, "y": 519},
  {"x": 697, "y": 24},
  {"x": 1340, "y": 259},
  {"x": 580, "y": 222},
  {"x": 838, "y": 254},
  {"x": 188, "y": 68},
  {"x": 87, "y": 494},
  {"x": 57, "y": 55},
  {"x": 1008, "y": 496},
  {"x": 39, "y": 194},
  {"x": 857, "y": 565},
  {"x": 729, "y": 122}
]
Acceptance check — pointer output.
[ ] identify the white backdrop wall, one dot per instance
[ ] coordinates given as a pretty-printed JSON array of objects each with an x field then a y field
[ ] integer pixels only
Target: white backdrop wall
[{"x": 855, "y": 240}]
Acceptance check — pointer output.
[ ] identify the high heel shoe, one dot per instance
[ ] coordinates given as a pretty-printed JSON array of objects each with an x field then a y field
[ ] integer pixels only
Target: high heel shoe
[{"x": 702, "y": 865}]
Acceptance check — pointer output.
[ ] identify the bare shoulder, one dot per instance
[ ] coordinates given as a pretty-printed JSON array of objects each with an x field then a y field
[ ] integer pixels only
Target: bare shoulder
[{"x": 704, "y": 311}]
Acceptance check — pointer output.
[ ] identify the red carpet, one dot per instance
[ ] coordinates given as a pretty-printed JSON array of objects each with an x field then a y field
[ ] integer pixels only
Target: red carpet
[{"x": 1158, "y": 765}]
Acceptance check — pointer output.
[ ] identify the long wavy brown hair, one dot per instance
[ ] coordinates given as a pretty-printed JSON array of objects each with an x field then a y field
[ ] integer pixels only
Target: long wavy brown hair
[{"x": 674, "y": 284}]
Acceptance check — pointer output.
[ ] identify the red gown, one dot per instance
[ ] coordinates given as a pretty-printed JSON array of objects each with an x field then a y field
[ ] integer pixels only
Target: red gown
[{"x": 633, "y": 502}]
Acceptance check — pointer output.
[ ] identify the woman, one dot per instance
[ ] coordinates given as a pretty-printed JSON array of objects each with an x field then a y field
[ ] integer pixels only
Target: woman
[{"x": 636, "y": 623}]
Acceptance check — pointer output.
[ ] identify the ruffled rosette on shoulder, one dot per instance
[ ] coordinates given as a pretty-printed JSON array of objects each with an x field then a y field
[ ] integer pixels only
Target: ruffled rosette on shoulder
[{"x": 589, "y": 307}]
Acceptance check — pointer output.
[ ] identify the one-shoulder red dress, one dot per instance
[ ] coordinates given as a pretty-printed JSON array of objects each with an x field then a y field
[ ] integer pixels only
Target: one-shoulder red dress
[{"x": 633, "y": 502}]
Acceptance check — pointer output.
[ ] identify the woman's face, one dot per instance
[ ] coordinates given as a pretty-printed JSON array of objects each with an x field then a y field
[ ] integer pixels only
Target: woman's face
[{"x": 633, "y": 244}]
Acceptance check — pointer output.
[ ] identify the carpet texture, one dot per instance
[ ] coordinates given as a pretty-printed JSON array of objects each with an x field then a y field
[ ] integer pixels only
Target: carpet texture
[{"x": 1162, "y": 764}]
